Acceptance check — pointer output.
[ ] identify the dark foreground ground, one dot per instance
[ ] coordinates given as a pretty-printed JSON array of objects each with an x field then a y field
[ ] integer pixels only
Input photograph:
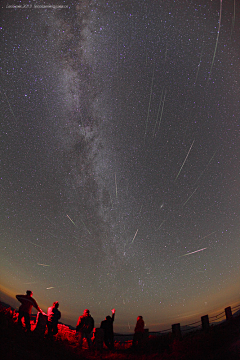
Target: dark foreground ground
[{"x": 222, "y": 342}]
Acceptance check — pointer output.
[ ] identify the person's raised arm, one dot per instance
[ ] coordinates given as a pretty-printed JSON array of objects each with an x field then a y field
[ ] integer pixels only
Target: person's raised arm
[{"x": 113, "y": 314}]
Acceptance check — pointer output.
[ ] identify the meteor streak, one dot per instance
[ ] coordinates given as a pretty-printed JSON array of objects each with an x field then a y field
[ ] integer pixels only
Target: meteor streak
[
  {"x": 47, "y": 104},
  {"x": 207, "y": 235},
  {"x": 165, "y": 56},
  {"x": 205, "y": 168},
  {"x": 184, "y": 160},
  {"x": 51, "y": 234},
  {"x": 51, "y": 287},
  {"x": 233, "y": 18},
  {"x": 220, "y": 16},
  {"x": 200, "y": 60},
  {"x": 161, "y": 103},
  {"x": 149, "y": 104},
  {"x": 10, "y": 106},
  {"x": 111, "y": 200},
  {"x": 71, "y": 220},
  {"x": 35, "y": 244},
  {"x": 162, "y": 109},
  {"x": 134, "y": 236},
  {"x": 161, "y": 225},
  {"x": 43, "y": 264},
  {"x": 116, "y": 184},
  {"x": 190, "y": 196},
  {"x": 85, "y": 226},
  {"x": 50, "y": 220},
  {"x": 159, "y": 107},
  {"x": 193, "y": 252}
]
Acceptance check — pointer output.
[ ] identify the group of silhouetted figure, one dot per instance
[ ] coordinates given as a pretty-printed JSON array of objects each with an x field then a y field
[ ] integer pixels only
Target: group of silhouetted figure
[{"x": 84, "y": 327}]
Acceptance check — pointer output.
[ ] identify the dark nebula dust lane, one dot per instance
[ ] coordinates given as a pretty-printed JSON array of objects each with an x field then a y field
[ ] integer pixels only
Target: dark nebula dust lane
[{"x": 120, "y": 157}]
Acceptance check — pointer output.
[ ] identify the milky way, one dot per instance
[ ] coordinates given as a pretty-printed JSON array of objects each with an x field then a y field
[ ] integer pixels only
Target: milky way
[{"x": 120, "y": 157}]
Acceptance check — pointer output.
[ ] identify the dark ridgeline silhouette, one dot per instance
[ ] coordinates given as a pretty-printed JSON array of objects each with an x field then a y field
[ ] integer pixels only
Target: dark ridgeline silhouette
[
  {"x": 52, "y": 321},
  {"x": 107, "y": 326},
  {"x": 25, "y": 309},
  {"x": 85, "y": 327},
  {"x": 138, "y": 332}
]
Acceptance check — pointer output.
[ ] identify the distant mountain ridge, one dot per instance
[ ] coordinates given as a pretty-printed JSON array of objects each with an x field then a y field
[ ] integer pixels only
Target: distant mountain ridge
[{"x": 7, "y": 305}]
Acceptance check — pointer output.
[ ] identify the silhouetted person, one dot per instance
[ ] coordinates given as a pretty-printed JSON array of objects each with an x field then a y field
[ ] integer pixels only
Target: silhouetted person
[
  {"x": 85, "y": 327},
  {"x": 138, "y": 332},
  {"x": 26, "y": 308},
  {"x": 107, "y": 326},
  {"x": 53, "y": 316}
]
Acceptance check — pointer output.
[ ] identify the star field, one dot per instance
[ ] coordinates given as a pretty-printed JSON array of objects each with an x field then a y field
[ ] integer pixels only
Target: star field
[{"x": 120, "y": 158}]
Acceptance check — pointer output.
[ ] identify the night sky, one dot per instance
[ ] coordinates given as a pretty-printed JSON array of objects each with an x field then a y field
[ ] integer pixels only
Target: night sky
[{"x": 120, "y": 157}]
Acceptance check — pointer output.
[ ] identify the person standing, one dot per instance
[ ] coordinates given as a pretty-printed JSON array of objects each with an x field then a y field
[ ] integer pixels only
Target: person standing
[
  {"x": 107, "y": 326},
  {"x": 85, "y": 327},
  {"x": 53, "y": 316},
  {"x": 138, "y": 332},
  {"x": 25, "y": 309}
]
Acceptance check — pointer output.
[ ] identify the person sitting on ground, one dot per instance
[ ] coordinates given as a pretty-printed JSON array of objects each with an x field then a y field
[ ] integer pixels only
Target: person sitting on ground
[
  {"x": 53, "y": 316},
  {"x": 26, "y": 308},
  {"x": 107, "y": 326},
  {"x": 138, "y": 332},
  {"x": 85, "y": 327}
]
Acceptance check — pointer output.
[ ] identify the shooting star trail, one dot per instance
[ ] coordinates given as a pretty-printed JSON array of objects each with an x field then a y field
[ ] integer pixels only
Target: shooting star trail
[
  {"x": 116, "y": 184},
  {"x": 219, "y": 21},
  {"x": 190, "y": 196},
  {"x": 160, "y": 120},
  {"x": 207, "y": 235},
  {"x": 205, "y": 168},
  {"x": 111, "y": 201},
  {"x": 233, "y": 18},
  {"x": 161, "y": 225},
  {"x": 35, "y": 244},
  {"x": 149, "y": 105},
  {"x": 42, "y": 264},
  {"x": 193, "y": 252},
  {"x": 10, "y": 106},
  {"x": 53, "y": 287},
  {"x": 165, "y": 57},
  {"x": 134, "y": 236},
  {"x": 51, "y": 234},
  {"x": 71, "y": 220},
  {"x": 124, "y": 252},
  {"x": 85, "y": 226},
  {"x": 117, "y": 54},
  {"x": 184, "y": 160},
  {"x": 199, "y": 64},
  {"x": 159, "y": 107},
  {"x": 45, "y": 98},
  {"x": 50, "y": 220}
]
